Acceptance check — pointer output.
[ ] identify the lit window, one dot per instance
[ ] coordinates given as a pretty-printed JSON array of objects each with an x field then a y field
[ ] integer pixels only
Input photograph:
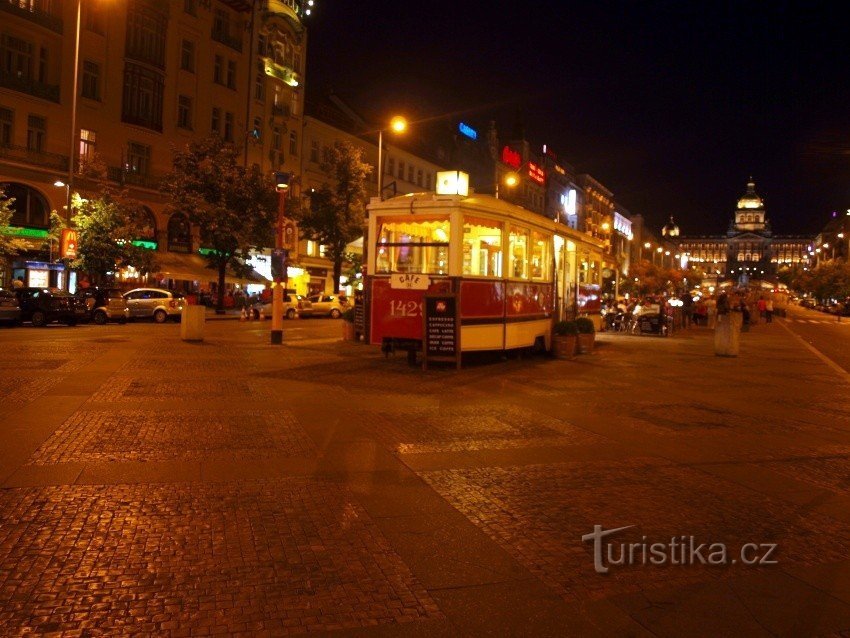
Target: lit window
[
  {"x": 540, "y": 260},
  {"x": 413, "y": 244},
  {"x": 87, "y": 145},
  {"x": 518, "y": 241},
  {"x": 482, "y": 247}
]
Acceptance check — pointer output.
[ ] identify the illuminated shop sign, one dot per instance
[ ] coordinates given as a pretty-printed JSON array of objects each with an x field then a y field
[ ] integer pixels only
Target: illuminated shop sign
[
  {"x": 568, "y": 201},
  {"x": 468, "y": 131},
  {"x": 452, "y": 183},
  {"x": 511, "y": 157},
  {"x": 536, "y": 173}
]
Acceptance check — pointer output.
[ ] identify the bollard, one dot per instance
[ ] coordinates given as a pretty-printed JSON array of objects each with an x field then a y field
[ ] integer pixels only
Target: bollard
[{"x": 192, "y": 323}]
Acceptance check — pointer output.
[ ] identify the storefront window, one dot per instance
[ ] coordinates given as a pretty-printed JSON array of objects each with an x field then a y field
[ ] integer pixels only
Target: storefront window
[
  {"x": 482, "y": 247},
  {"x": 413, "y": 244},
  {"x": 518, "y": 252},
  {"x": 541, "y": 261}
]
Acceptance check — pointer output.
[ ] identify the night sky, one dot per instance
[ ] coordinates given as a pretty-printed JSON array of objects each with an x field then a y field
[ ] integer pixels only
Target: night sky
[{"x": 671, "y": 105}]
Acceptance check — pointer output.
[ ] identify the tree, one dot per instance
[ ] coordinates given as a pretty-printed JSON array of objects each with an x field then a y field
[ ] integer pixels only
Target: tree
[
  {"x": 335, "y": 212},
  {"x": 106, "y": 227},
  {"x": 234, "y": 207},
  {"x": 9, "y": 245},
  {"x": 828, "y": 280}
]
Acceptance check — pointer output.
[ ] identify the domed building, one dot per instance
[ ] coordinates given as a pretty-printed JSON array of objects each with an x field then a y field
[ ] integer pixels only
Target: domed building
[
  {"x": 749, "y": 251},
  {"x": 670, "y": 229}
]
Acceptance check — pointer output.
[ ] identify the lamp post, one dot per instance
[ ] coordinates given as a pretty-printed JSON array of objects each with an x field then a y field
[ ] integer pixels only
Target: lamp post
[
  {"x": 279, "y": 258},
  {"x": 646, "y": 245},
  {"x": 841, "y": 236},
  {"x": 658, "y": 252},
  {"x": 74, "y": 89},
  {"x": 398, "y": 125}
]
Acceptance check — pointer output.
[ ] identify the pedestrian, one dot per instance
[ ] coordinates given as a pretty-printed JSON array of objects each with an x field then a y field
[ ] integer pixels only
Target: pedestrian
[
  {"x": 768, "y": 311},
  {"x": 745, "y": 316},
  {"x": 762, "y": 306},
  {"x": 18, "y": 283},
  {"x": 722, "y": 304}
]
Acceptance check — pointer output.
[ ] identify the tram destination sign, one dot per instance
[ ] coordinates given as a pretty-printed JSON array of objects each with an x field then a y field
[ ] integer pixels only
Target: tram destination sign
[{"x": 441, "y": 332}]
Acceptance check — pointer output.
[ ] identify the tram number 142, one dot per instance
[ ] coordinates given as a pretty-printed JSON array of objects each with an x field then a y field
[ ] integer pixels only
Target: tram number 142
[{"x": 406, "y": 308}]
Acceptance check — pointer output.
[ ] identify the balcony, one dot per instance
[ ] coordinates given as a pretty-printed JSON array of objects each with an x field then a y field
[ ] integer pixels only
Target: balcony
[
  {"x": 289, "y": 9},
  {"x": 22, "y": 154},
  {"x": 234, "y": 42},
  {"x": 281, "y": 110},
  {"x": 281, "y": 72},
  {"x": 126, "y": 178},
  {"x": 30, "y": 86},
  {"x": 34, "y": 14}
]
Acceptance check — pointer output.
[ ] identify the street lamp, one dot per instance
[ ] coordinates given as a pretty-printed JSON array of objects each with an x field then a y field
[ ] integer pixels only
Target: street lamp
[
  {"x": 397, "y": 125},
  {"x": 646, "y": 245},
  {"x": 510, "y": 179},
  {"x": 279, "y": 258},
  {"x": 658, "y": 251}
]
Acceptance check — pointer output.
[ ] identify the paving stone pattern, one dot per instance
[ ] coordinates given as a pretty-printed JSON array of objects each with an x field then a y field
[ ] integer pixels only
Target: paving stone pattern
[
  {"x": 146, "y": 435},
  {"x": 285, "y": 557}
]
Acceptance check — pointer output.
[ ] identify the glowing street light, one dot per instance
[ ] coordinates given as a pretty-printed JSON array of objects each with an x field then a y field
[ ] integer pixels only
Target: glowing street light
[{"x": 397, "y": 125}]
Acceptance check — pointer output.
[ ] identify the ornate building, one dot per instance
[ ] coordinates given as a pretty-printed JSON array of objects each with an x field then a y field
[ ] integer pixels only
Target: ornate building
[{"x": 750, "y": 250}]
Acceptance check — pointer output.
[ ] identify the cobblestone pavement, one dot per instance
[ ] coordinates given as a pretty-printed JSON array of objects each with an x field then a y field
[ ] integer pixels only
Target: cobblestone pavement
[{"x": 155, "y": 487}]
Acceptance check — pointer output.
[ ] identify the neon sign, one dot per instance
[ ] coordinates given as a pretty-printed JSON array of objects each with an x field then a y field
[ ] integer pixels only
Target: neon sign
[
  {"x": 468, "y": 131},
  {"x": 536, "y": 173},
  {"x": 511, "y": 157}
]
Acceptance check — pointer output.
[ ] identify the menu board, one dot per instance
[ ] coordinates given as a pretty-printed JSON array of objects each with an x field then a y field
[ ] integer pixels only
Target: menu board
[
  {"x": 441, "y": 332},
  {"x": 359, "y": 312}
]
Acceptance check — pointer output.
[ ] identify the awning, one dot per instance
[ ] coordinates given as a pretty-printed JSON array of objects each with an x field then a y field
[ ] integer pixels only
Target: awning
[{"x": 194, "y": 267}]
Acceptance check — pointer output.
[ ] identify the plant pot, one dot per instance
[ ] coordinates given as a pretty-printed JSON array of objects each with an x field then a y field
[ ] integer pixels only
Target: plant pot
[
  {"x": 585, "y": 343},
  {"x": 347, "y": 331},
  {"x": 564, "y": 346}
]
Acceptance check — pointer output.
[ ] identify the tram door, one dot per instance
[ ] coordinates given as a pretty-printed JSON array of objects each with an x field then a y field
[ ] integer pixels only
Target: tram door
[{"x": 565, "y": 257}]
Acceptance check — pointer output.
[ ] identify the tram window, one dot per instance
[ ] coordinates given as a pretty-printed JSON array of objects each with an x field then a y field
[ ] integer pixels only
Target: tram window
[
  {"x": 540, "y": 260},
  {"x": 518, "y": 252},
  {"x": 413, "y": 244},
  {"x": 482, "y": 247}
]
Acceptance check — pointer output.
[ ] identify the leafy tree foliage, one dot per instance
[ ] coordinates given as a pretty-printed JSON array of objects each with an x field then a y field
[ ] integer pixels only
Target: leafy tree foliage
[
  {"x": 827, "y": 280},
  {"x": 106, "y": 226},
  {"x": 334, "y": 214},
  {"x": 234, "y": 207},
  {"x": 9, "y": 245}
]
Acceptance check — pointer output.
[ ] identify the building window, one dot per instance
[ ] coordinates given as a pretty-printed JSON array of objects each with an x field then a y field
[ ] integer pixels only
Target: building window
[
  {"x": 221, "y": 22},
  {"x": 419, "y": 178},
  {"x": 94, "y": 17},
  {"x": 215, "y": 121},
  {"x": 400, "y": 169},
  {"x": 190, "y": 7},
  {"x": 311, "y": 248},
  {"x": 146, "y": 28},
  {"x": 7, "y": 118},
  {"x": 228, "y": 126},
  {"x": 428, "y": 182},
  {"x": 410, "y": 174},
  {"x": 17, "y": 57},
  {"x": 187, "y": 56},
  {"x": 293, "y": 143},
  {"x": 29, "y": 207},
  {"x": 257, "y": 131},
  {"x": 143, "y": 90},
  {"x": 231, "y": 74},
  {"x": 91, "y": 80},
  {"x": 87, "y": 145},
  {"x": 218, "y": 70},
  {"x": 36, "y": 133},
  {"x": 260, "y": 82},
  {"x": 179, "y": 233},
  {"x": 276, "y": 138},
  {"x": 138, "y": 158},
  {"x": 314, "y": 151},
  {"x": 390, "y": 166},
  {"x": 184, "y": 112}
]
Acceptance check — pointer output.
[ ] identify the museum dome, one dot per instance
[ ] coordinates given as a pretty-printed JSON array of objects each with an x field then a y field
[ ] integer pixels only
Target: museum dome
[
  {"x": 750, "y": 198},
  {"x": 670, "y": 229}
]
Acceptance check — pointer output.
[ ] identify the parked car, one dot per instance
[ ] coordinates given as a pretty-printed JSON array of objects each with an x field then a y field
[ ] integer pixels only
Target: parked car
[
  {"x": 41, "y": 306},
  {"x": 293, "y": 306},
  {"x": 104, "y": 304},
  {"x": 10, "y": 309},
  {"x": 328, "y": 305},
  {"x": 154, "y": 303},
  {"x": 808, "y": 302}
]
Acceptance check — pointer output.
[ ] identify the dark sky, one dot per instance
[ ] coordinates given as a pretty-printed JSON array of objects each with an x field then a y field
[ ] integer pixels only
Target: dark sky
[{"x": 671, "y": 105}]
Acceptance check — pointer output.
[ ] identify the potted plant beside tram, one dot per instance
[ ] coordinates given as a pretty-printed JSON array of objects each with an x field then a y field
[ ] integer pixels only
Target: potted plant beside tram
[
  {"x": 564, "y": 339},
  {"x": 586, "y": 334},
  {"x": 511, "y": 270}
]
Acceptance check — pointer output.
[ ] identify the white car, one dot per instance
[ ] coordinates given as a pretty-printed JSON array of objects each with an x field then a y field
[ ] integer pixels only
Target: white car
[
  {"x": 328, "y": 305},
  {"x": 154, "y": 303}
]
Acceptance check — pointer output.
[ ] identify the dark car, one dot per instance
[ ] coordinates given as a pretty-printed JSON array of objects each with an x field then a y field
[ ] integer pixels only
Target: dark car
[
  {"x": 104, "y": 304},
  {"x": 10, "y": 309},
  {"x": 46, "y": 305},
  {"x": 808, "y": 302}
]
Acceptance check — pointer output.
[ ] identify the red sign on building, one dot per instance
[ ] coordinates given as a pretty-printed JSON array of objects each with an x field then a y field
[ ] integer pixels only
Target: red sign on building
[
  {"x": 536, "y": 173},
  {"x": 68, "y": 244},
  {"x": 511, "y": 157}
]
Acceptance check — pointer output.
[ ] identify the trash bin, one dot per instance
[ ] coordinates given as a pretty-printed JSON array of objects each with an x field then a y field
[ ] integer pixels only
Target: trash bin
[
  {"x": 192, "y": 323},
  {"x": 727, "y": 334}
]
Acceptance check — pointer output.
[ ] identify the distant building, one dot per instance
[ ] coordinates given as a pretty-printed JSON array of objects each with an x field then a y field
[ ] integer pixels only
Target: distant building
[{"x": 749, "y": 250}]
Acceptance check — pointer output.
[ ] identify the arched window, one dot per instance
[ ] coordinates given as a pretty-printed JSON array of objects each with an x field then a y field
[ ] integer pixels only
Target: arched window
[
  {"x": 30, "y": 207},
  {"x": 179, "y": 234},
  {"x": 147, "y": 224}
]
